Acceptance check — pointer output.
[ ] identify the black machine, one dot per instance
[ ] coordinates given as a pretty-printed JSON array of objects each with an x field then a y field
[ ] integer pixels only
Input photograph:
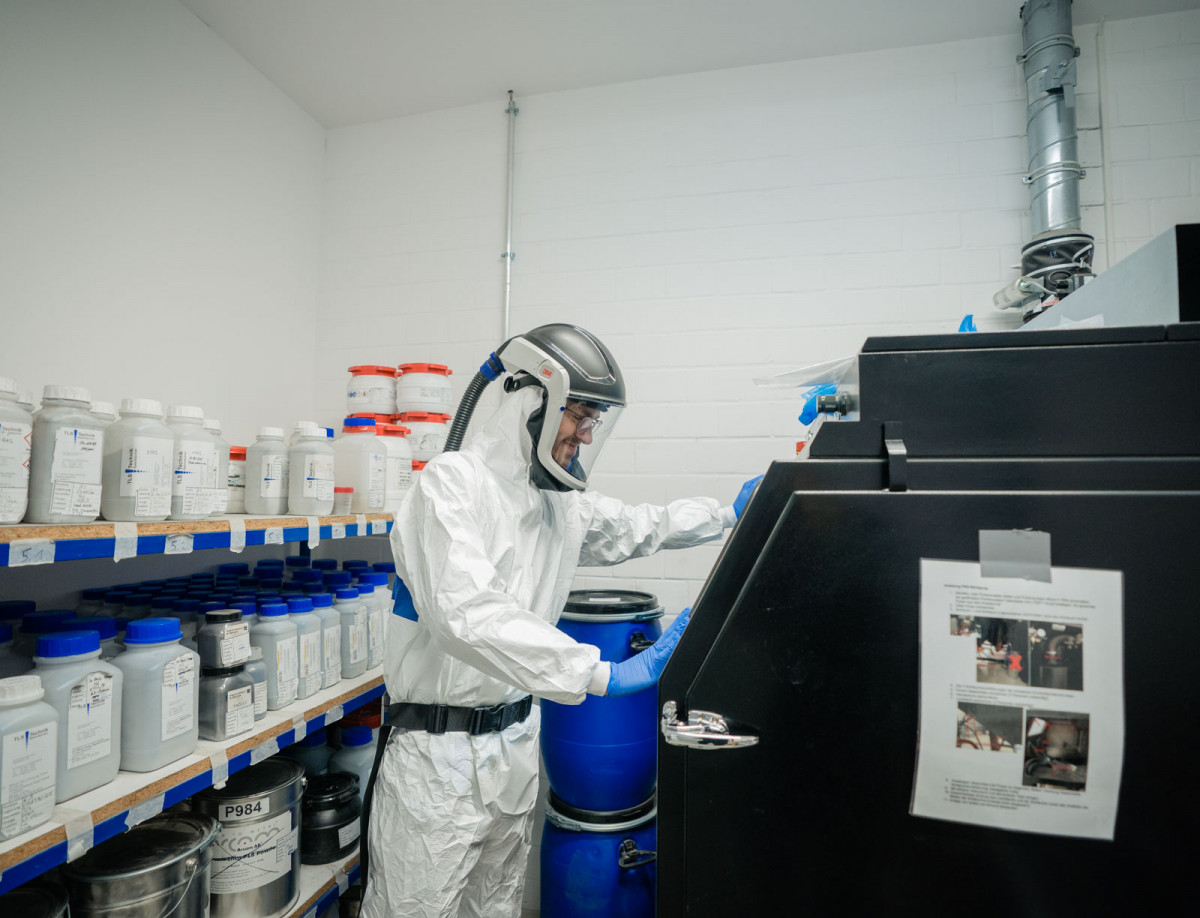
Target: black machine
[{"x": 804, "y": 641}]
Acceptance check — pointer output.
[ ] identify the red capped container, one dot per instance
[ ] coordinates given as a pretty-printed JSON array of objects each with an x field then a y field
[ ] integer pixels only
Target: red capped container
[
  {"x": 427, "y": 432},
  {"x": 424, "y": 387},
  {"x": 371, "y": 391}
]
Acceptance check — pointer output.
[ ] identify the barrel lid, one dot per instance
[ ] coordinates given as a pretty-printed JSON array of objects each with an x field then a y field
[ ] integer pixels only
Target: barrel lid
[
  {"x": 268, "y": 776},
  {"x": 370, "y": 370},
  {"x": 330, "y": 788},
  {"x": 36, "y": 898},
  {"x": 611, "y": 606},
  {"x": 437, "y": 368},
  {"x": 565, "y": 816},
  {"x": 423, "y": 417},
  {"x": 148, "y": 846}
]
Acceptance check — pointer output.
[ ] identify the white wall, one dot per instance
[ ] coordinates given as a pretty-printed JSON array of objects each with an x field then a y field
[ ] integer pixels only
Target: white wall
[
  {"x": 716, "y": 227},
  {"x": 159, "y": 213}
]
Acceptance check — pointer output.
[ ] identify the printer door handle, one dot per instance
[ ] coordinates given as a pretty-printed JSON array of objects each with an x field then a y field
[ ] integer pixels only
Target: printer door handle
[{"x": 703, "y": 730}]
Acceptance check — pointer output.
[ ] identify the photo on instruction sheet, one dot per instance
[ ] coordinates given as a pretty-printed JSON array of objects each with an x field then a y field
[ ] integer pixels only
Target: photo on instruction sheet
[
  {"x": 1056, "y": 750},
  {"x": 1056, "y": 656},
  {"x": 989, "y": 727},
  {"x": 1001, "y": 651}
]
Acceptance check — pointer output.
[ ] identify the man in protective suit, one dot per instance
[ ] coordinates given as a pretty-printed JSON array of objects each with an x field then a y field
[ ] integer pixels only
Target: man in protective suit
[{"x": 487, "y": 543}]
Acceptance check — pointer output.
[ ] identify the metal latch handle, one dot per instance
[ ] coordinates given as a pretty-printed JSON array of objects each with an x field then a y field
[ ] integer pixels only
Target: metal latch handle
[
  {"x": 628, "y": 855},
  {"x": 704, "y": 730},
  {"x": 639, "y": 642}
]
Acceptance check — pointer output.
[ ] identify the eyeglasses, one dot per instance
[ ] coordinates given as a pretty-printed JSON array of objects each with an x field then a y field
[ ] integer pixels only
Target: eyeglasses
[{"x": 584, "y": 424}]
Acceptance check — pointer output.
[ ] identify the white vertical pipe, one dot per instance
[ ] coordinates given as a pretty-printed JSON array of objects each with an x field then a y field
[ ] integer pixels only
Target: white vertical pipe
[
  {"x": 509, "y": 254},
  {"x": 1110, "y": 241}
]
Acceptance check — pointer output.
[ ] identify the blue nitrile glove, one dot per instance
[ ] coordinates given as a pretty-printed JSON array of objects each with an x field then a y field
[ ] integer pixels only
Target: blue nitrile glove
[
  {"x": 739, "y": 502},
  {"x": 642, "y": 670},
  {"x": 809, "y": 413}
]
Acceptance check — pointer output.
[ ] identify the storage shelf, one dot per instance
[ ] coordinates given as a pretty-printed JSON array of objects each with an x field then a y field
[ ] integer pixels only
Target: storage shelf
[
  {"x": 44, "y": 544},
  {"x": 90, "y": 819},
  {"x": 323, "y": 884}
]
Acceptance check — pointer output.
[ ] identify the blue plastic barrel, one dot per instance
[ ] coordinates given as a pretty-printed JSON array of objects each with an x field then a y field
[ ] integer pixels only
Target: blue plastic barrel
[
  {"x": 602, "y": 755},
  {"x": 598, "y": 865}
]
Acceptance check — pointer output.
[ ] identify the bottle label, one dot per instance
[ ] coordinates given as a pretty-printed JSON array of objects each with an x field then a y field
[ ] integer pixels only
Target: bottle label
[
  {"x": 178, "y": 696},
  {"x": 274, "y": 479},
  {"x": 358, "y": 636},
  {"x": 286, "y": 670},
  {"x": 235, "y": 646},
  {"x": 376, "y": 481},
  {"x": 239, "y": 711},
  {"x": 75, "y": 471},
  {"x": 399, "y": 474},
  {"x": 195, "y": 475},
  {"x": 90, "y": 719},
  {"x": 146, "y": 473},
  {"x": 318, "y": 476},
  {"x": 247, "y": 856},
  {"x": 364, "y": 396},
  {"x": 333, "y": 655},
  {"x": 27, "y": 778},
  {"x": 310, "y": 661},
  {"x": 260, "y": 698},
  {"x": 14, "y": 469},
  {"x": 237, "y": 473},
  {"x": 348, "y": 833},
  {"x": 375, "y": 629}
]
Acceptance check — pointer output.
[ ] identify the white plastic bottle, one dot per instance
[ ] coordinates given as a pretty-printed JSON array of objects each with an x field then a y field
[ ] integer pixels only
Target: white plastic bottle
[
  {"x": 355, "y": 634},
  {"x": 67, "y": 458},
  {"x": 301, "y": 428},
  {"x": 312, "y": 656},
  {"x": 160, "y": 698},
  {"x": 360, "y": 462},
  {"x": 104, "y": 412},
  {"x": 331, "y": 638},
  {"x": 277, "y": 638},
  {"x": 377, "y": 611},
  {"x": 267, "y": 473},
  {"x": 399, "y": 465},
  {"x": 86, "y": 693},
  {"x": 311, "y": 466},
  {"x": 28, "y": 755},
  {"x": 221, "y": 493},
  {"x": 356, "y": 756},
  {"x": 139, "y": 463},
  {"x": 196, "y": 469},
  {"x": 236, "y": 489},
  {"x": 16, "y": 433}
]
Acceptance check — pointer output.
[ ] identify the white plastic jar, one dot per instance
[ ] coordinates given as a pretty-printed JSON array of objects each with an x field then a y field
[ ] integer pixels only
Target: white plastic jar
[
  {"x": 371, "y": 390},
  {"x": 427, "y": 433},
  {"x": 399, "y": 465},
  {"x": 104, "y": 412},
  {"x": 311, "y": 460},
  {"x": 301, "y": 428},
  {"x": 277, "y": 638},
  {"x": 86, "y": 692},
  {"x": 424, "y": 387},
  {"x": 197, "y": 473},
  {"x": 354, "y": 616},
  {"x": 331, "y": 638},
  {"x": 356, "y": 756},
  {"x": 360, "y": 462},
  {"x": 236, "y": 489},
  {"x": 220, "y": 493},
  {"x": 16, "y": 433},
  {"x": 267, "y": 473},
  {"x": 28, "y": 755},
  {"x": 67, "y": 458},
  {"x": 312, "y": 655},
  {"x": 371, "y": 589},
  {"x": 160, "y": 698},
  {"x": 139, "y": 463}
]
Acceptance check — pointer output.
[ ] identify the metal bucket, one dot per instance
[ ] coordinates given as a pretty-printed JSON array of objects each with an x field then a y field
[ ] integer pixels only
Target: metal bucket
[
  {"x": 157, "y": 869},
  {"x": 256, "y": 856}
]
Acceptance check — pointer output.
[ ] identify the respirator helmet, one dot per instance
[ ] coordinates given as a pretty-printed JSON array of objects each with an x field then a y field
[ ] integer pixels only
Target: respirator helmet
[{"x": 583, "y": 393}]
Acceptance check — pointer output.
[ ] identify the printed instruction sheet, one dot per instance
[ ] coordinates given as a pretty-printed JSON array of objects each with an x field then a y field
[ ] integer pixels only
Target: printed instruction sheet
[{"x": 1022, "y": 700}]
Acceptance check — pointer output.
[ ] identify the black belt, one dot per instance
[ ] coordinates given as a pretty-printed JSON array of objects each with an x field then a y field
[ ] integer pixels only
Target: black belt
[{"x": 443, "y": 718}]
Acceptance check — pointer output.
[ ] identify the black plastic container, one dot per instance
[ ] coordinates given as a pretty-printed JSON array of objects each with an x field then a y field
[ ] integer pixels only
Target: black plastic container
[{"x": 329, "y": 818}]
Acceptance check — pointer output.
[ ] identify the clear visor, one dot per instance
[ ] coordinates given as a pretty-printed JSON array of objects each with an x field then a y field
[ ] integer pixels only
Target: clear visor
[{"x": 583, "y": 430}]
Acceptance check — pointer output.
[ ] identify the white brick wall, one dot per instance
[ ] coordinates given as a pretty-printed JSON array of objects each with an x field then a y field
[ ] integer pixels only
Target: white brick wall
[{"x": 716, "y": 227}]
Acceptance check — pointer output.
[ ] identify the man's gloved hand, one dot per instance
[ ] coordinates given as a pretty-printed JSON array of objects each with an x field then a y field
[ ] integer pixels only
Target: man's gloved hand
[
  {"x": 743, "y": 498},
  {"x": 642, "y": 671}
]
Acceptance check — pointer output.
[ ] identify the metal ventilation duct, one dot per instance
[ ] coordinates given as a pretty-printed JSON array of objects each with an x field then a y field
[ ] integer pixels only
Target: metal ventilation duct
[{"x": 1059, "y": 257}]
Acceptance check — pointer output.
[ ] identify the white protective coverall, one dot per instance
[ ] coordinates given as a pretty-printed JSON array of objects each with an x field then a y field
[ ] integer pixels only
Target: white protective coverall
[{"x": 489, "y": 559}]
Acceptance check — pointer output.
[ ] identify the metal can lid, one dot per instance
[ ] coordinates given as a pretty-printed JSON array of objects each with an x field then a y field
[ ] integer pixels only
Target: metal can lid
[
  {"x": 149, "y": 846},
  {"x": 267, "y": 777}
]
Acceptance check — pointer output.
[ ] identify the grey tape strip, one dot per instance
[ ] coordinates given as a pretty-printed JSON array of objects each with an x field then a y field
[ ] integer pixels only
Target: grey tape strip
[
  {"x": 24, "y": 552},
  {"x": 124, "y": 541},
  {"x": 265, "y": 751},
  {"x": 314, "y": 531},
  {"x": 343, "y": 882},
  {"x": 300, "y": 726},
  {"x": 80, "y": 832},
  {"x": 334, "y": 714},
  {"x": 180, "y": 544},
  {"x": 1019, "y": 553},
  {"x": 237, "y": 534},
  {"x": 145, "y": 810},
  {"x": 220, "y": 767},
  {"x": 361, "y": 520},
  {"x": 337, "y": 530}
]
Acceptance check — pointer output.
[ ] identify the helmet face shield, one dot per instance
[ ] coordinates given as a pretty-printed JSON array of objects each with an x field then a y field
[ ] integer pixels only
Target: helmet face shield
[{"x": 576, "y": 441}]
